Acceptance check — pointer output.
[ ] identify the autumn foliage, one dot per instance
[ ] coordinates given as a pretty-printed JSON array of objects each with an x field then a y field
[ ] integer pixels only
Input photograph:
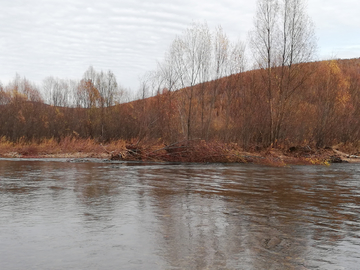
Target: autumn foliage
[
  {"x": 323, "y": 112},
  {"x": 202, "y": 103}
]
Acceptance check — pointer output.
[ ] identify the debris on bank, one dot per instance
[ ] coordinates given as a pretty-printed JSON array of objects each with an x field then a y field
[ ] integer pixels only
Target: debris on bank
[{"x": 192, "y": 151}]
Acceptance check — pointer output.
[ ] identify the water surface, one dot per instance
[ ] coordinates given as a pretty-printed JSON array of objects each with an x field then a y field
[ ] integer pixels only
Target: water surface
[{"x": 96, "y": 215}]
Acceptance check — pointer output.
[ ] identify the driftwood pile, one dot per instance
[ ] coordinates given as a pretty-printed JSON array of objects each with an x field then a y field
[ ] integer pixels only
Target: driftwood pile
[{"x": 184, "y": 151}]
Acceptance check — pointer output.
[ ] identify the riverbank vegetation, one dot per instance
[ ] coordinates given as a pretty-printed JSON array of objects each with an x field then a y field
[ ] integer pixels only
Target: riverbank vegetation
[
  {"x": 202, "y": 104},
  {"x": 198, "y": 151}
]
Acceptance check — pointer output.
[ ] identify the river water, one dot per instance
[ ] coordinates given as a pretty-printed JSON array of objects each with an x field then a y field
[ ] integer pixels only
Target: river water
[{"x": 96, "y": 215}]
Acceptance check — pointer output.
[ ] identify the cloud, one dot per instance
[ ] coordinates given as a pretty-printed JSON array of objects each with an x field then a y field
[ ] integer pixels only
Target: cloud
[
  {"x": 337, "y": 27},
  {"x": 62, "y": 38},
  {"x": 52, "y": 36}
]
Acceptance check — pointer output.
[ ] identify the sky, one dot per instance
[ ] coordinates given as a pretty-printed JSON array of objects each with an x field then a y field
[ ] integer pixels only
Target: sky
[{"x": 62, "y": 38}]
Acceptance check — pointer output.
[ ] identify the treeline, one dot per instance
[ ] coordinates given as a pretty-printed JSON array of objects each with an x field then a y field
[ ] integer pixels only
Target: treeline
[
  {"x": 61, "y": 108},
  {"x": 201, "y": 90},
  {"x": 323, "y": 112}
]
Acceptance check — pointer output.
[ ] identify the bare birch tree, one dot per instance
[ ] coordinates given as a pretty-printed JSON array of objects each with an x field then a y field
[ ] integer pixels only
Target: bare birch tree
[
  {"x": 194, "y": 58},
  {"x": 191, "y": 57},
  {"x": 56, "y": 91},
  {"x": 283, "y": 38},
  {"x": 227, "y": 58}
]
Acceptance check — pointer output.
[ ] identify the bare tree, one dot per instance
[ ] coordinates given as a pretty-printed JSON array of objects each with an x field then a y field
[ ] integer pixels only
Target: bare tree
[
  {"x": 72, "y": 94},
  {"x": 190, "y": 59},
  {"x": 56, "y": 91},
  {"x": 262, "y": 42},
  {"x": 283, "y": 39},
  {"x": 22, "y": 88},
  {"x": 113, "y": 91},
  {"x": 167, "y": 73},
  {"x": 108, "y": 88},
  {"x": 226, "y": 59},
  {"x": 194, "y": 59},
  {"x": 105, "y": 83},
  {"x": 235, "y": 66},
  {"x": 4, "y": 96},
  {"x": 88, "y": 95}
]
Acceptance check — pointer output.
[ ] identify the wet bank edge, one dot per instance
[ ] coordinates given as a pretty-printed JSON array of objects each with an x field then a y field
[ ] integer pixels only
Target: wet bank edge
[{"x": 271, "y": 157}]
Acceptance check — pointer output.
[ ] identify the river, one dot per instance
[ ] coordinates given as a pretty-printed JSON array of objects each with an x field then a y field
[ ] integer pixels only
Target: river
[{"x": 98, "y": 215}]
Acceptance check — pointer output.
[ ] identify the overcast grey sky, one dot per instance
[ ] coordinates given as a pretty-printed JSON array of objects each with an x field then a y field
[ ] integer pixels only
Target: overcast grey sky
[{"x": 62, "y": 38}]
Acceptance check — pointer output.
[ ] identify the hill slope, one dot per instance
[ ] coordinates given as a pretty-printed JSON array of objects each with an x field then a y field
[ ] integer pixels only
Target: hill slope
[{"x": 323, "y": 110}]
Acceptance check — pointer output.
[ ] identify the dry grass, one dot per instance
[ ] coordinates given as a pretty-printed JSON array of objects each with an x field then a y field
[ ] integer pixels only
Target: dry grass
[
  {"x": 186, "y": 151},
  {"x": 68, "y": 146},
  {"x": 6, "y": 146},
  {"x": 349, "y": 148}
]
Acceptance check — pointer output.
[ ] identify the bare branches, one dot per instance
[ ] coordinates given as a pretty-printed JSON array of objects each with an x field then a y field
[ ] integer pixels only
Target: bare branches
[{"x": 283, "y": 37}]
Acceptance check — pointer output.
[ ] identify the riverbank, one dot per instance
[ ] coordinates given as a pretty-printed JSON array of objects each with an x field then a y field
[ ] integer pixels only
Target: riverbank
[{"x": 187, "y": 151}]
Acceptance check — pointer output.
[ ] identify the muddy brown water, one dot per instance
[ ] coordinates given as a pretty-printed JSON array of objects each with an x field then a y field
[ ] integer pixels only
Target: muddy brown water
[{"x": 96, "y": 215}]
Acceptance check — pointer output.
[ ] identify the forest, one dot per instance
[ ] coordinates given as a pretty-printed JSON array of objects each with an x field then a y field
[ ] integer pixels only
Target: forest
[{"x": 206, "y": 90}]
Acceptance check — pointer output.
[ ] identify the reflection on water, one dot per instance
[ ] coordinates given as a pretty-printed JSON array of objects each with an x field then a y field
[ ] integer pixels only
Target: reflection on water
[{"x": 58, "y": 215}]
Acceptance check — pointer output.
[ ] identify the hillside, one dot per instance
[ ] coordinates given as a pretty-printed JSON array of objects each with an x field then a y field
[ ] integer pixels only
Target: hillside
[{"x": 321, "y": 112}]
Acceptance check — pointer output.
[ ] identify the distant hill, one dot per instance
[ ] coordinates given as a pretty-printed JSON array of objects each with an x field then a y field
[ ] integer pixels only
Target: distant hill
[{"x": 319, "y": 105}]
